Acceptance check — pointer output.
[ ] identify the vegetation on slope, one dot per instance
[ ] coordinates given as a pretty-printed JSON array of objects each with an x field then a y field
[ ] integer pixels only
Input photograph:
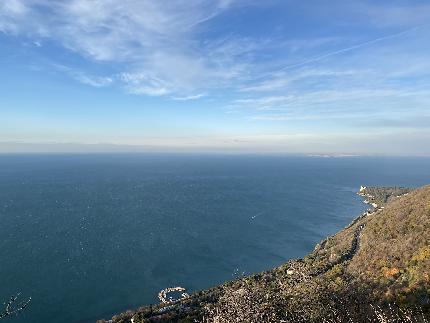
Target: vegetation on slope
[
  {"x": 383, "y": 195},
  {"x": 394, "y": 256},
  {"x": 381, "y": 259}
]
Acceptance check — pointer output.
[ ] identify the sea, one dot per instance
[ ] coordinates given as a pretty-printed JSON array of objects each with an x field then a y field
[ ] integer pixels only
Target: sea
[{"x": 90, "y": 235}]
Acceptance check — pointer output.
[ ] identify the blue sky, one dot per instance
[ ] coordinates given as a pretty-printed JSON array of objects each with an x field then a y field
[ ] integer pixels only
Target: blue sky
[{"x": 323, "y": 77}]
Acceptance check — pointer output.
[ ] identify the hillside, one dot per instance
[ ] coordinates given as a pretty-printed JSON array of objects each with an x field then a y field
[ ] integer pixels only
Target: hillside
[{"x": 376, "y": 269}]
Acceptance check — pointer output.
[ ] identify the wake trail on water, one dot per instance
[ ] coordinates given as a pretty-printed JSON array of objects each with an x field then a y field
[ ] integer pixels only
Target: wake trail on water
[{"x": 257, "y": 215}]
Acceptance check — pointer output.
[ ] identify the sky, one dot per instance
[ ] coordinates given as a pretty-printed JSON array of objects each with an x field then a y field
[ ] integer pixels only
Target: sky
[{"x": 339, "y": 77}]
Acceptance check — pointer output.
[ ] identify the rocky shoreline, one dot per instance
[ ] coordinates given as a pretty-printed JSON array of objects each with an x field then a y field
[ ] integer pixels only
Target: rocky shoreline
[{"x": 381, "y": 195}]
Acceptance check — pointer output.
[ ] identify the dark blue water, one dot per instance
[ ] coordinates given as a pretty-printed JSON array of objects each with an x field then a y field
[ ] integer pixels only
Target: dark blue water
[{"x": 90, "y": 235}]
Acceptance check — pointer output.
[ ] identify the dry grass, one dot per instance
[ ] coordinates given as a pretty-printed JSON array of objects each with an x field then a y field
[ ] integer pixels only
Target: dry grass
[{"x": 246, "y": 306}]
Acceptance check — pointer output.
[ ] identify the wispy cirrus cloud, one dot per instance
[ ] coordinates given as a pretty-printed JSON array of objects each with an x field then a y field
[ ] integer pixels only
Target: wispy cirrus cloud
[
  {"x": 84, "y": 77},
  {"x": 189, "y": 97},
  {"x": 282, "y": 79},
  {"x": 152, "y": 42},
  {"x": 350, "y": 48},
  {"x": 161, "y": 49},
  {"x": 349, "y": 107}
]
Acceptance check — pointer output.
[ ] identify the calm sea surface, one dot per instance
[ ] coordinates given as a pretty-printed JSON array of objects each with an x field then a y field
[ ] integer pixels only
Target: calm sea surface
[{"x": 90, "y": 235}]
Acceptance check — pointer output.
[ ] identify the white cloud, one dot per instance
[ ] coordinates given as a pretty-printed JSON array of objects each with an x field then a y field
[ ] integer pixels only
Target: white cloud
[
  {"x": 351, "y": 48},
  {"x": 153, "y": 41},
  {"x": 337, "y": 104},
  {"x": 141, "y": 83},
  {"x": 11, "y": 10},
  {"x": 158, "y": 49},
  {"x": 13, "y": 7},
  {"x": 83, "y": 77},
  {"x": 296, "y": 45},
  {"x": 281, "y": 79},
  {"x": 190, "y": 97},
  {"x": 95, "y": 81}
]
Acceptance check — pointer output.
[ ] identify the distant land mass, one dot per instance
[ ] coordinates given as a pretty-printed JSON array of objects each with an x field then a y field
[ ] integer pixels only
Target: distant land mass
[{"x": 377, "y": 269}]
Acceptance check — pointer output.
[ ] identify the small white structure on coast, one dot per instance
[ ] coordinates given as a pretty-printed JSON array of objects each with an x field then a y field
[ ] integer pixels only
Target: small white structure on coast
[
  {"x": 362, "y": 189},
  {"x": 163, "y": 295}
]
